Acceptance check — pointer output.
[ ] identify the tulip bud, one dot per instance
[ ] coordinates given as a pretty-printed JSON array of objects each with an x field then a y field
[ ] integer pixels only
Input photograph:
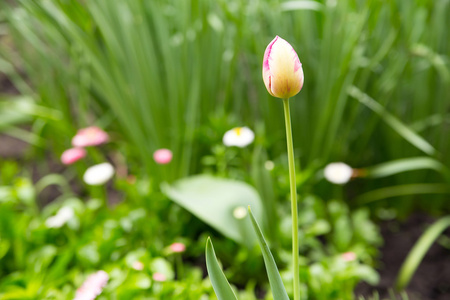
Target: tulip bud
[{"x": 282, "y": 70}]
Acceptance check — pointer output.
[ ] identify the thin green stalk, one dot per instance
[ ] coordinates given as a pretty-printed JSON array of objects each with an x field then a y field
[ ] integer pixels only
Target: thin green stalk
[{"x": 294, "y": 210}]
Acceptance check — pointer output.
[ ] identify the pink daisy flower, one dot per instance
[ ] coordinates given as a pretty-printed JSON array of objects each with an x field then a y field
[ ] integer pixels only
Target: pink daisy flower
[
  {"x": 138, "y": 266},
  {"x": 177, "y": 247},
  {"x": 348, "y": 256},
  {"x": 92, "y": 286},
  {"x": 159, "y": 277},
  {"x": 162, "y": 156},
  {"x": 72, "y": 155},
  {"x": 90, "y": 136}
]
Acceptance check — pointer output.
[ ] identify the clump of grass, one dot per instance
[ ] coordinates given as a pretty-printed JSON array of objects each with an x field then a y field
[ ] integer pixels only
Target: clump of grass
[{"x": 156, "y": 71}]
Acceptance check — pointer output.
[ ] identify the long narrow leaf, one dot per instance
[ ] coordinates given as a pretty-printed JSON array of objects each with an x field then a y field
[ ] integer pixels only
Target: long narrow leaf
[
  {"x": 276, "y": 284},
  {"x": 402, "y": 190},
  {"x": 407, "y": 164},
  {"x": 219, "y": 281},
  {"x": 406, "y": 132},
  {"x": 419, "y": 250}
]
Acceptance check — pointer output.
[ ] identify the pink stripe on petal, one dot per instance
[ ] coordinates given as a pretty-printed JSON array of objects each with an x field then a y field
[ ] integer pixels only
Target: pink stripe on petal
[
  {"x": 297, "y": 63},
  {"x": 267, "y": 53},
  {"x": 267, "y": 77}
]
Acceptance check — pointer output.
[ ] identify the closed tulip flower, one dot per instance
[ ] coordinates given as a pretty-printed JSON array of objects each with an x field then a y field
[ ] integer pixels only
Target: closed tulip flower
[
  {"x": 283, "y": 77},
  {"x": 282, "y": 70}
]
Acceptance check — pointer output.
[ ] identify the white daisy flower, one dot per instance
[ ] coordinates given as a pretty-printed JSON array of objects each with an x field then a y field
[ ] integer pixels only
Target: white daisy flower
[
  {"x": 98, "y": 174},
  {"x": 269, "y": 165},
  {"x": 338, "y": 173},
  {"x": 239, "y": 137},
  {"x": 240, "y": 212},
  {"x": 63, "y": 215}
]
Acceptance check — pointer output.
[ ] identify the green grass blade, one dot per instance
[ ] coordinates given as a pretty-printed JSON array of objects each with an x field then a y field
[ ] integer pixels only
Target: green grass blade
[
  {"x": 402, "y": 190},
  {"x": 219, "y": 281},
  {"x": 276, "y": 284},
  {"x": 430, "y": 121},
  {"x": 406, "y": 132},
  {"x": 419, "y": 250},
  {"x": 301, "y": 5},
  {"x": 407, "y": 164}
]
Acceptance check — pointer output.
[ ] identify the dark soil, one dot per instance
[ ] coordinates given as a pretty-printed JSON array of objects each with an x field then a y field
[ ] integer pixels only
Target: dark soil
[
  {"x": 432, "y": 278},
  {"x": 12, "y": 148},
  {"x": 6, "y": 87}
]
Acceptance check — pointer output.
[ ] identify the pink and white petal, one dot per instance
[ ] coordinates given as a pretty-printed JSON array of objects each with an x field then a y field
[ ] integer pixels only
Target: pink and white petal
[
  {"x": 285, "y": 70},
  {"x": 267, "y": 52},
  {"x": 266, "y": 66}
]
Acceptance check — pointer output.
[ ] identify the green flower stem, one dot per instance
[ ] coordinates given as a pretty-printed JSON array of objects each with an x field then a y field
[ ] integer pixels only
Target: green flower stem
[{"x": 294, "y": 210}]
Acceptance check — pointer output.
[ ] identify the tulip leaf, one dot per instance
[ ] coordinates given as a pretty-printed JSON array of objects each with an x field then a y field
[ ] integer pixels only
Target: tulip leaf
[
  {"x": 276, "y": 284},
  {"x": 214, "y": 200},
  {"x": 219, "y": 281}
]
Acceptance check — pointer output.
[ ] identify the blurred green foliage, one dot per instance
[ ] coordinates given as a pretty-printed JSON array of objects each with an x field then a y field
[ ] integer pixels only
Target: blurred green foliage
[
  {"x": 166, "y": 74},
  {"x": 38, "y": 260}
]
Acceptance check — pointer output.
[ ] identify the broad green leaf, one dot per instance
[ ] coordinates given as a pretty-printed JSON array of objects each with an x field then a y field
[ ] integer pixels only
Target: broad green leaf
[
  {"x": 213, "y": 200},
  {"x": 219, "y": 281},
  {"x": 367, "y": 274},
  {"x": 407, "y": 164},
  {"x": 419, "y": 250},
  {"x": 276, "y": 284},
  {"x": 406, "y": 132}
]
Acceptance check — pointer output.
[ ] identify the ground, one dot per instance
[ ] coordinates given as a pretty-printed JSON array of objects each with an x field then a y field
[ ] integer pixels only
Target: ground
[{"x": 432, "y": 279}]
